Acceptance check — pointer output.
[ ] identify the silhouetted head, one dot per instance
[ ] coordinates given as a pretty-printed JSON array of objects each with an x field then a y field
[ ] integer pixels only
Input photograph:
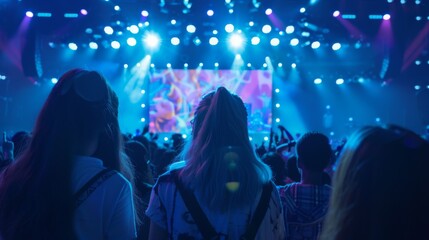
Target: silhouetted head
[{"x": 313, "y": 151}]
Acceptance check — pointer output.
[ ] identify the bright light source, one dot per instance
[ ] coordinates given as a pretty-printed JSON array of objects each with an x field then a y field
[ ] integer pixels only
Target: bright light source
[
  {"x": 173, "y": 21},
  {"x": 277, "y": 105},
  {"x": 350, "y": 119},
  {"x": 191, "y": 28},
  {"x": 269, "y": 11},
  {"x": 73, "y": 46},
  {"x": 294, "y": 41},
  {"x": 216, "y": 64},
  {"x": 145, "y": 13},
  {"x": 277, "y": 120},
  {"x": 339, "y": 81},
  {"x": 151, "y": 40},
  {"x": 236, "y": 40},
  {"x": 184, "y": 136},
  {"x": 266, "y": 138},
  {"x": 134, "y": 29},
  {"x": 317, "y": 81},
  {"x": 84, "y": 12},
  {"x": 125, "y": 66},
  {"x": 418, "y": 18},
  {"x": 215, "y": 32},
  {"x": 275, "y": 42},
  {"x": 265, "y": 65},
  {"x": 175, "y": 41},
  {"x": 290, "y": 29},
  {"x": 117, "y": 8},
  {"x": 386, "y": 16},
  {"x": 251, "y": 23},
  {"x": 255, "y": 40},
  {"x": 266, "y": 29},
  {"x": 165, "y": 139},
  {"x": 249, "y": 65},
  {"x": 54, "y": 80},
  {"x": 213, "y": 41},
  {"x": 29, "y": 14},
  {"x": 143, "y": 91},
  {"x": 231, "y": 11},
  {"x": 336, "y": 46},
  {"x": 131, "y": 41},
  {"x": 377, "y": 119},
  {"x": 115, "y": 44},
  {"x": 108, "y": 30},
  {"x": 277, "y": 90},
  {"x": 229, "y": 28},
  {"x": 210, "y": 13},
  {"x": 201, "y": 64},
  {"x": 197, "y": 41},
  {"x": 315, "y": 45},
  {"x": 168, "y": 65},
  {"x": 185, "y": 65},
  {"x": 152, "y": 65},
  {"x": 417, "y": 87},
  {"x": 336, "y": 13},
  {"x": 93, "y": 45},
  {"x": 143, "y": 105},
  {"x": 293, "y": 65},
  {"x": 142, "y": 119},
  {"x": 302, "y": 10}
]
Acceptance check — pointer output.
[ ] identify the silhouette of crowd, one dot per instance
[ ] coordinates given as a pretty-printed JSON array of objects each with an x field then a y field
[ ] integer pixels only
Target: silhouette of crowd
[{"x": 77, "y": 176}]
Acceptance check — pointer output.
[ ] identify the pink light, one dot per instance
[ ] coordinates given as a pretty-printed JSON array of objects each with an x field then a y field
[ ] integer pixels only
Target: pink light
[
  {"x": 29, "y": 14},
  {"x": 336, "y": 13},
  {"x": 386, "y": 16},
  {"x": 83, "y": 12}
]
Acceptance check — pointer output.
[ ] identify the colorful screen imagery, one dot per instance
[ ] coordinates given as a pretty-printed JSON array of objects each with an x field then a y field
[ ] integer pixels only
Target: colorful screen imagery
[{"x": 175, "y": 94}]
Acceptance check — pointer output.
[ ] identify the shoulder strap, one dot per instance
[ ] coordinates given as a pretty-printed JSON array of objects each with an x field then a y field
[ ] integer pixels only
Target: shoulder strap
[
  {"x": 260, "y": 212},
  {"x": 194, "y": 208},
  {"x": 89, "y": 187}
]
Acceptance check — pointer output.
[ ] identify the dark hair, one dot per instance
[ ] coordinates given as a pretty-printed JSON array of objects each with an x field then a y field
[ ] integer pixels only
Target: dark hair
[
  {"x": 20, "y": 141},
  {"x": 36, "y": 199},
  {"x": 313, "y": 151},
  {"x": 277, "y": 165},
  {"x": 380, "y": 189}
]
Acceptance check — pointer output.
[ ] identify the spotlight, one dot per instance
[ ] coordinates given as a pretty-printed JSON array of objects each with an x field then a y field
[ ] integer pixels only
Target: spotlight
[
  {"x": 249, "y": 65},
  {"x": 280, "y": 65},
  {"x": 216, "y": 64},
  {"x": 184, "y": 136},
  {"x": 173, "y": 22},
  {"x": 84, "y": 12},
  {"x": 386, "y": 16},
  {"x": 93, "y": 45},
  {"x": 175, "y": 41},
  {"x": 108, "y": 30},
  {"x": 275, "y": 42},
  {"x": 290, "y": 29},
  {"x": 168, "y": 65},
  {"x": 266, "y": 29},
  {"x": 210, "y": 13},
  {"x": 265, "y": 65},
  {"x": 54, "y": 80},
  {"x": 73, "y": 46},
  {"x": 142, "y": 119},
  {"x": 294, "y": 41},
  {"x": 191, "y": 28},
  {"x": 293, "y": 65},
  {"x": 251, "y": 23},
  {"x": 29, "y": 14},
  {"x": 131, "y": 42},
  {"x": 255, "y": 40},
  {"x": 277, "y": 90},
  {"x": 152, "y": 65},
  {"x": 277, "y": 105},
  {"x": 151, "y": 40},
  {"x": 317, "y": 81},
  {"x": 115, "y": 44},
  {"x": 145, "y": 13},
  {"x": 336, "y": 46},
  {"x": 315, "y": 45},
  {"x": 336, "y": 13},
  {"x": 269, "y": 11},
  {"x": 185, "y": 65},
  {"x": 215, "y": 32},
  {"x": 143, "y": 105},
  {"x": 418, "y": 18},
  {"x": 213, "y": 41},
  {"x": 229, "y": 28},
  {"x": 231, "y": 11},
  {"x": 125, "y": 66},
  {"x": 201, "y": 64},
  {"x": 339, "y": 81},
  {"x": 302, "y": 10},
  {"x": 417, "y": 87},
  {"x": 236, "y": 40},
  {"x": 117, "y": 8},
  {"x": 134, "y": 29},
  {"x": 197, "y": 41}
]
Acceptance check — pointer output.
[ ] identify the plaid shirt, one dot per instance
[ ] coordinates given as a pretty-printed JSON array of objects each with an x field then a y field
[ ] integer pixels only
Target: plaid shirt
[{"x": 305, "y": 207}]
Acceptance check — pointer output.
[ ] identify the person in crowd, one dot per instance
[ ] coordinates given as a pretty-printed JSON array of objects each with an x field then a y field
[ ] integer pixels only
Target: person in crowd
[
  {"x": 57, "y": 189},
  {"x": 20, "y": 141},
  {"x": 277, "y": 165},
  {"x": 138, "y": 154},
  {"x": 306, "y": 202},
  {"x": 380, "y": 188},
  {"x": 220, "y": 190}
]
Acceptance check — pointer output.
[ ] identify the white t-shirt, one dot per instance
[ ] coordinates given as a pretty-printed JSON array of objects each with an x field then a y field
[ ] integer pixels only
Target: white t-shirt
[{"x": 108, "y": 213}]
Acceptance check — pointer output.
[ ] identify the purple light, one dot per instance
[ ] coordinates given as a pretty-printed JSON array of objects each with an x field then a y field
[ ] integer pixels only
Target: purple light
[
  {"x": 83, "y": 12},
  {"x": 336, "y": 13},
  {"x": 29, "y": 14},
  {"x": 386, "y": 16}
]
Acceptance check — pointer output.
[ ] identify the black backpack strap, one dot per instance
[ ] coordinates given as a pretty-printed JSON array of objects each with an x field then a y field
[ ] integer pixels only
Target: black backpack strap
[
  {"x": 194, "y": 208},
  {"x": 89, "y": 187},
  {"x": 260, "y": 212}
]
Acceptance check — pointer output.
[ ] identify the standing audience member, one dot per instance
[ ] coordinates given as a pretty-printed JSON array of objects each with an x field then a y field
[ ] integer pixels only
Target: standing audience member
[
  {"x": 56, "y": 189},
  {"x": 380, "y": 189},
  {"x": 306, "y": 202},
  {"x": 223, "y": 191}
]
